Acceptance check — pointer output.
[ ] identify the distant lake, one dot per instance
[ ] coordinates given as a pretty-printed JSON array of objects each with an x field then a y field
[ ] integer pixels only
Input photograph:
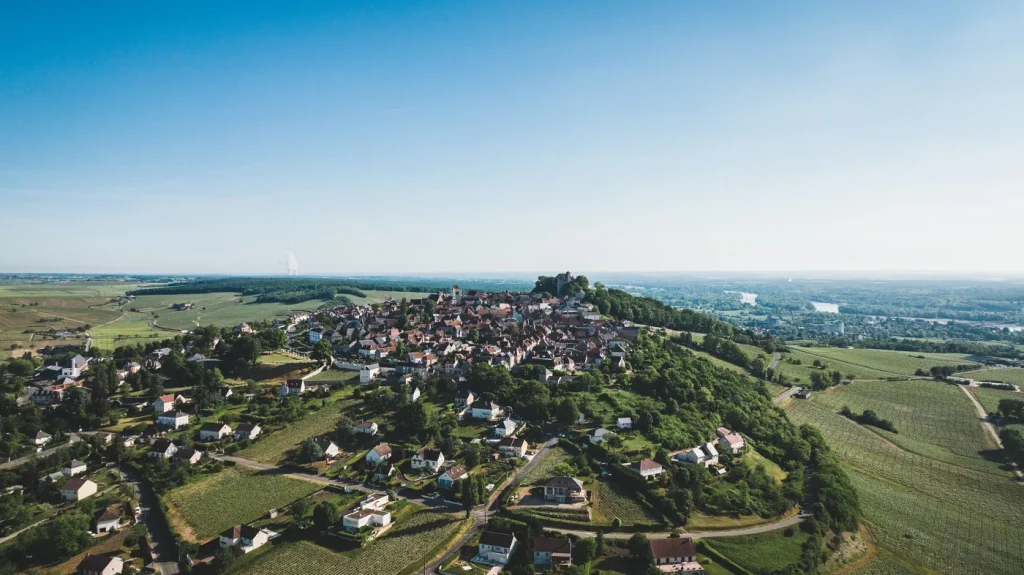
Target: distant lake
[
  {"x": 748, "y": 298},
  {"x": 825, "y": 307}
]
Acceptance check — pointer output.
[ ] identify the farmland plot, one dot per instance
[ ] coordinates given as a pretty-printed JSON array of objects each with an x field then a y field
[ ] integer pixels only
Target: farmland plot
[
  {"x": 1012, "y": 375},
  {"x": 612, "y": 500},
  {"x": 542, "y": 470},
  {"x": 889, "y": 363},
  {"x": 273, "y": 447},
  {"x": 405, "y": 546},
  {"x": 927, "y": 486}
]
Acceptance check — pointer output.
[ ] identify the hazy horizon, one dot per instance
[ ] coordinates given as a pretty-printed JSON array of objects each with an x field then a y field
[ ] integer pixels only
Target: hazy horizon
[{"x": 388, "y": 139}]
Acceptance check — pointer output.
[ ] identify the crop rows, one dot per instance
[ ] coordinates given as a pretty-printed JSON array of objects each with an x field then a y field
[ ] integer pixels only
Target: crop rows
[
  {"x": 405, "y": 545},
  {"x": 612, "y": 500},
  {"x": 271, "y": 448},
  {"x": 543, "y": 469},
  {"x": 890, "y": 363}
]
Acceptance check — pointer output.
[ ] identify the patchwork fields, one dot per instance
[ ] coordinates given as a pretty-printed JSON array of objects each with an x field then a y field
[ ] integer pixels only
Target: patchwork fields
[
  {"x": 202, "y": 509},
  {"x": 931, "y": 493}
]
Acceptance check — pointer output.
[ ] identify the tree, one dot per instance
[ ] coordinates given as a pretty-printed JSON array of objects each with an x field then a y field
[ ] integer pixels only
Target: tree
[
  {"x": 567, "y": 413},
  {"x": 310, "y": 451},
  {"x": 321, "y": 351},
  {"x": 638, "y": 545},
  {"x": 584, "y": 550},
  {"x": 325, "y": 515},
  {"x": 599, "y": 544},
  {"x": 470, "y": 456},
  {"x": 468, "y": 495},
  {"x": 299, "y": 508},
  {"x": 225, "y": 557},
  {"x": 836, "y": 377}
]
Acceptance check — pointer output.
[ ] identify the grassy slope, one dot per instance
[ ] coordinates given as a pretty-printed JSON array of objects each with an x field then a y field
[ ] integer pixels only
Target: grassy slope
[
  {"x": 918, "y": 503},
  {"x": 1014, "y": 375},
  {"x": 762, "y": 552},
  {"x": 273, "y": 447},
  {"x": 888, "y": 363}
]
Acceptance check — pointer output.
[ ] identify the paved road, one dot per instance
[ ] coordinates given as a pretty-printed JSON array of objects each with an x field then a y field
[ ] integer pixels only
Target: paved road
[
  {"x": 72, "y": 438},
  {"x": 789, "y": 522},
  {"x": 165, "y": 557},
  {"x": 787, "y": 394},
  {"x": 775, "y": 360},
  {"x": 991, "y": 429}
]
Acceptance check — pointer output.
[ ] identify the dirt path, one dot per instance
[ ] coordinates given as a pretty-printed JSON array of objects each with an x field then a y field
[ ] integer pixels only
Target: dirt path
[
  {"x": 991, "y": 429},
  {"x": 789, "y": 522}
]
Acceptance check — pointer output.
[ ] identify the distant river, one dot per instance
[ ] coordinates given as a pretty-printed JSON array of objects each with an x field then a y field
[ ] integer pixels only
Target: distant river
[
  {"x": 749, "y": 298},
  {"x": 825, "y": 307}
]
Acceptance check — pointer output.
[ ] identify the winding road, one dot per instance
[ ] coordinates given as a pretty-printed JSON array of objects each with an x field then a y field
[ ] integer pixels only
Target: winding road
[{"x": 991, "y": 429}]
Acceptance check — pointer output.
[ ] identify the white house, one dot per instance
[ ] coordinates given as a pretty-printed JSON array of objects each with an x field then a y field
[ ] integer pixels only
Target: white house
[
  {"x": 77, "y": 489},
  {"x": 214, "y": 431},
  {"x": 293, "y": 386},
  {"x": 647, "y": 468},
  {"x": 165, "y": 403},
  {"x": 496, "y": 548},
  {"x": 415, "y": 395},
  {"x": 711, "y": 453},
  {"x": 374, "y": 501},
  {"x": 430, "y": 459},
  {"x": 489, "y": 411},
  {"x": 379, "y": 454},
  {"x": 190, "y": 456},
  {"x": 675, "y": 555},
  {"x": 599, "y": 435},
  {"x": 505, "y": 428},
  {"x": 107, "y": 520},
  {"x": 365, "y": 518},
  {"x": 40, "y": 439},
  {"x": 163, "y": 448},
  {"x": 246, "y": 537},
  {"x": 552, "y": 551},
  {"x": 464, "y": 398},
  {"x": 76, "y": 367},
  {"x": 453, "y": 474},
  {"x": 174, "y": 419},
  {"x": 624, "y": 423},
  {"x": 74, "y": 467},
  {"x": 564, "y": 489},
  {"x": 368, "y": 373},
  {"x": 366, "y": 428},
  {"x": 513, "y": 447},
  {"x": 100, "y": 565},
  {"x": 247, "y": 431},
  {"x": 329, "y": 448}
]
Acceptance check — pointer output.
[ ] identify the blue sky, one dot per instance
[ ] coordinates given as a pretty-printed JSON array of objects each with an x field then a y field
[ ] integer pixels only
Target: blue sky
[{"x": 419, "y": 137}]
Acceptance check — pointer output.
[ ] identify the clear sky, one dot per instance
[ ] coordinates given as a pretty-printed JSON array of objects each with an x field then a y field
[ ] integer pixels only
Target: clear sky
[{"x": 416, "y": 137}]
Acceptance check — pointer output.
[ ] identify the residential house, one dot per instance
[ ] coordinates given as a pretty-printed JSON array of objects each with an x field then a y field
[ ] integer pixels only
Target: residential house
[
  {"x": 292, "y": 387},
  {"x": 464, "y": 398},
  {"x": 173, "y": 419},
  {"x": 166, "y": 403},
  {"x": 246, "y": 537},
  {"x": 74, "y": 467},
  {"x": 374, "y": 501},
  {"x": 247, "y": 431},
  {"x": 76, "y": 366},
  {"x": 513, "y": 447},
  {"x": 368, "y": 373},
  {"x": 489, "y": 411},
  {"x": 361, "y": 518},
  {"x": 366, "y": 427},
  {"x": 190, "y": 456},
  {"x": 40, "y": 439},
  {"x": 675, "y": 555},
  {"x": 100, "y": 565},
  {"x": 415, "y": 396},
  {"x": 225, "y": 392},
  {"x": 563, "y": 489},
  {"x": 624, "y": 423},
  {"x": 599, "y": 435},
  {"x": 77, "y": 489},
  {"x": 329, "y": 448},
  {"x": 379, "y": 454},
  {"x": 448, "y": 478},
  {"x": 107, "y": 520},
  {"x": 496, "y": 548},
  {"x": 647, "y": 468},
  {"x": 244, "y": 328},
  {"x": 163, "y": 448},
  {"x": 214, "y": 431},
  {"x": 552, "y": 551},
  {"x": 505, "y": 428},
  {"x": 315, "y": 336},
  {"x": 429, "y": 459},
  {"x": 383, "y": 472},
  {"x": 729, "y": 441}
]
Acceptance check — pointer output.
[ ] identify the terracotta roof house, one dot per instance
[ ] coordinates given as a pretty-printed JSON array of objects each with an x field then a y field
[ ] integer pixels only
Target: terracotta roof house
[{"x": 647, "y": 468}]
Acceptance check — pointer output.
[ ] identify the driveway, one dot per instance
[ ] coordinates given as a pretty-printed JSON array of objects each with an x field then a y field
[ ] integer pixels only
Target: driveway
[{"x": 165, "y": 553}]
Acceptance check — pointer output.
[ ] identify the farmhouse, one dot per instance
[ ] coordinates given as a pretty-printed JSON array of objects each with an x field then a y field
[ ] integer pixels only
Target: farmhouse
[
  {"x": 448, "y": 478},
  {"x": 378, "y": 454},
  {"x": 730, "y": 442},
  {"x": 293, "y": 387},
  {"x": 246, "y": 537},
  {"x": 358, "y": 519},
  {"x": 563, "y": 489},
  {"x": 77, "y": 489},
  {"x": 74, "y": 467},
  {"x": 647, "y": 468},
  {"x": 366, "y": 428},
  {"x": 247, "y": 431},
  {"x": 513, "y": 447},
  {"x": 496, "y": 548},
  {"x": 100, "y": 565},
  {"x": 675, "y": 555},
  {"x": 552, "y": 551},
  {"x": 430, "y": 459},
  {"x": 162, "y": 448},
  {"x": 173, "y": 419},
  {"x": 107, "y": 520},
  {"x": 214, "y": 431}
]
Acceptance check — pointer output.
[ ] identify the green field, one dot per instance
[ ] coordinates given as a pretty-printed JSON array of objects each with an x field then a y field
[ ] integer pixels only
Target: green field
[
  {"x": 273, "y": 447},
  {"x": 542, "y": 470},
  {"x": 403, "y": 549},
  {"x": 613, "y": 500},
  {"x": 202, "y": 509},
  {"x": 930, "y": 484},
  {"x": 1013, "y": 375},
  {"x": 877, "y": 363},
  {"x": 763, "y": 552}
]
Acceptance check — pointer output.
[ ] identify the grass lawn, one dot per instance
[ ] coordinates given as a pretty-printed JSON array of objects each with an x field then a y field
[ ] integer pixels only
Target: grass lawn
[
  {"x": 280, "y": 358},
  {"x": 928, "y": 485},
  {"x": 273, "y": 447},
  {"x": 754, "y": 458},
  {"x": 202, "y": 509},
  {"x": 415, "y": 538},
  {"x": 762, "y": 552}
]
